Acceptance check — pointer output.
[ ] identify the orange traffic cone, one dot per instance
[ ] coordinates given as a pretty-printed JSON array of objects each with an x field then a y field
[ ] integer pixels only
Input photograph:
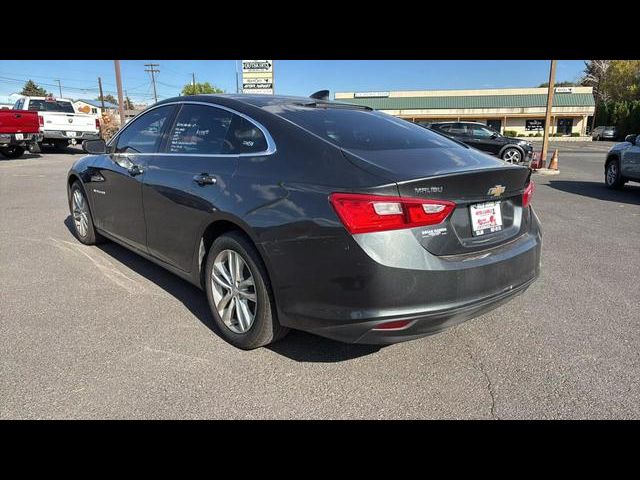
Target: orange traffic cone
[{"x": 553, "y": 165}]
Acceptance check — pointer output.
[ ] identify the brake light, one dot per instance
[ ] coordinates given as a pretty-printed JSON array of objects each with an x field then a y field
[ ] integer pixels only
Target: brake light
[
  {"x": 528, "y": 193},
  {"x": 41, "y": 120},
  {"x": 97, "y": 124},
  {"x": 375, "y": 213}
]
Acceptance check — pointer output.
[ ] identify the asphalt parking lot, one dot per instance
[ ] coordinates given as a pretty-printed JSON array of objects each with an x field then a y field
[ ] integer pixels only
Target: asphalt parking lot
[{"x": 98, "y": 332}]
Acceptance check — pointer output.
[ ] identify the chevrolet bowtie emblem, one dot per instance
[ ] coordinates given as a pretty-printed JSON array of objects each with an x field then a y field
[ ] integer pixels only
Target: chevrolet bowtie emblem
[{"x": 496, "y": 191}]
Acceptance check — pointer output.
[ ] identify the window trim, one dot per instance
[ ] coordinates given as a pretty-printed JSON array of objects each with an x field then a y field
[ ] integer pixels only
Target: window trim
[{"x": 271, "y": 145}]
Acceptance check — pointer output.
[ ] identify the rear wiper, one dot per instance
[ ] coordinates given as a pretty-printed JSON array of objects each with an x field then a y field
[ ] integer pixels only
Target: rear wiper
[{"x": 348, "y": 106}]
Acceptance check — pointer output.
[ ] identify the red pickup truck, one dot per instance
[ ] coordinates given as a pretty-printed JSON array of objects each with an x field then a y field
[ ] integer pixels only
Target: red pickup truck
[{"x": 19, "y": 130}]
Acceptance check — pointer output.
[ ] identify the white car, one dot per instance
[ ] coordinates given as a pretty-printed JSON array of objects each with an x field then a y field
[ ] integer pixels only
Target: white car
[{"x": 60, "y": 123}]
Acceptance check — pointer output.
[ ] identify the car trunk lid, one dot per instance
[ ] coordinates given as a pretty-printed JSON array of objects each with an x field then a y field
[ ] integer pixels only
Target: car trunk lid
[{"x": 474, "y": 181}]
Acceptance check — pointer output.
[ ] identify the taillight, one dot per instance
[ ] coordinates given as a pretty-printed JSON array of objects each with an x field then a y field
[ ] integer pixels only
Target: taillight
[
  {"x": 528, "y": 193},
  {"x": 41, "y": 120},
  {"x": 97, "y": 124},
  {"x": 374, "y": 213}
]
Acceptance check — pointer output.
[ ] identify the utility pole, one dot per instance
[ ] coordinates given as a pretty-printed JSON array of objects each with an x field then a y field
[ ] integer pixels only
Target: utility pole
[
  {"x": 193, "y": 77},
  {"x": 547, "y": 117},
  {"x": 119, "y": 87},
  {"x": 59, "y": 87},
  {"x": 101, "y": 95},
  {"x": 102, "y": 104},
  {"x": 153, "y": 71}
]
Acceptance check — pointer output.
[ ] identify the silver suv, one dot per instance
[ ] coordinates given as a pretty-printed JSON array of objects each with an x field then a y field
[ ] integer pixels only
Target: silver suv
[
  {"x": 606, "y": 133},
  {"x": 623, "y": 162}
]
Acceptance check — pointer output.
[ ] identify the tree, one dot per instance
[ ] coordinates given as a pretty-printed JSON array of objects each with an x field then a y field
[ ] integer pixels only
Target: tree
[
  {"x": 199, "y": 88},
  {"x": 108, "y": 98},
  {"x": 31, "y": 89},
  {"x": 560, "y": 84},
  {"x": 622, "y": 82},
  {"x": 595, "y": 73},
  {"x": 128, "y": 104}
]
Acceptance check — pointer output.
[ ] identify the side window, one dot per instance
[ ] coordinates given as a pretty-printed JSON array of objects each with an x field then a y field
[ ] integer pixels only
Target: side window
[
  {"x": 244, "y": 137},
  {"x": 458, "y": 129},
  {"x": 143, "y": 135},
  {"x": 481, "y": 132},
  {"x": 200, "y": 129},
  {"x": 444, "y": 128},
  {"x": 19, "y": 104}
]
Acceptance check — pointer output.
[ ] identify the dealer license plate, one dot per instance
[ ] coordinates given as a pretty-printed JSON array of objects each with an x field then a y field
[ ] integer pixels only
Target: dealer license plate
[{"x": 485, "y": 218}]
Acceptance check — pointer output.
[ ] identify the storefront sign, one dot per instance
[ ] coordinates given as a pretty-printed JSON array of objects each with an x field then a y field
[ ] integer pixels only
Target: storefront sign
[
  {"x": 563, "y": 90},
  {"x": 535, "y": 124},
  {"x": 257, "y": 77}
]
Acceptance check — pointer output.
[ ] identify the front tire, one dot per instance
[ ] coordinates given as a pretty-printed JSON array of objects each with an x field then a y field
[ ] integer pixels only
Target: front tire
[
  {"x": 239, "y": 293},
  {"x": 12, "y": 152},
  {"x": 613, "y": 177},
  {"x": 512, "y": 155},
  {"x": 81, "y": 216}
]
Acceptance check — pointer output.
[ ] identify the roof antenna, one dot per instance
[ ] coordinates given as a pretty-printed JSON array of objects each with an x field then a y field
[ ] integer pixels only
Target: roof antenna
[{"x": 320, "y": 95}]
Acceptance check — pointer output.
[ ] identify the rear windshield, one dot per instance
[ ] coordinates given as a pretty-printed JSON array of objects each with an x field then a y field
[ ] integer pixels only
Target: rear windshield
[
  {"x": 365, "y": 130},
  {"x": 50, "y": 106}
]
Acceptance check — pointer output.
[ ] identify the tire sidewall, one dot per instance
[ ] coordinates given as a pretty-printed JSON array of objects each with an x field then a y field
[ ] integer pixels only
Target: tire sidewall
[
  {"x": 617, "y": 183},
  {"x": 263, "y": 329},
  {"x": 90, "y": 238}
]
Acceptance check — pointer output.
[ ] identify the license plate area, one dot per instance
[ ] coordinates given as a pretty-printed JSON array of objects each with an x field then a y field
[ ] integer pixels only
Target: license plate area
[
  {"x": 485, "y": 218},
  {"x": 71, "y": 134}
]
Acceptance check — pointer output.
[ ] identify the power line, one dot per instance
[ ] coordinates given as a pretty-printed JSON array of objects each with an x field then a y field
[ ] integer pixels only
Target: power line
[{"x": 153, "y": 71}]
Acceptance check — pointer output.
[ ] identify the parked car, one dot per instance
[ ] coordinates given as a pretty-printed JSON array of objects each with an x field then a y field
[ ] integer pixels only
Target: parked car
[
  {"x": 304, "y": 213},
  {"x": 19, "y": 131},
  {"x": 623, "y": 163},
  {"x": 62, "y": 124},
  {"x": 604, "y": 133},
  {"x": 482, "y": 137}
]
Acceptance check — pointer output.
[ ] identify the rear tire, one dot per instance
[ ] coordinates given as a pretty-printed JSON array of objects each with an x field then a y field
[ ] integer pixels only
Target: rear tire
[
  {"x": 12, "y": 152},
  {"x": 612, "y": 176},
  {"x": 81, "y": 216},
  {"x": 263, "y": 327}
]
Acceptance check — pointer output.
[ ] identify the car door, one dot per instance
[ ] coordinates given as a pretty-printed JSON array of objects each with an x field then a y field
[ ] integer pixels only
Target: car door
[
  {"x": 190, "y": 181},
  {"x": 483, "y": 139},
  {"x": 117, "y": 177},
  {"x": 630, "y": 167}
]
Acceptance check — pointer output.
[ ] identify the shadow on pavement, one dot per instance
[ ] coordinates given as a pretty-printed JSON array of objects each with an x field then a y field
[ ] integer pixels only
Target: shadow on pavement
[
  {"x": 298, "y": 346},
  {"x": 629, "y": 194}
]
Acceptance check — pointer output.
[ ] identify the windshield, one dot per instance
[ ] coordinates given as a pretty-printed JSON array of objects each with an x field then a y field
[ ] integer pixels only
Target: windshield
[
  {"x": 365, "y": 130},
  {"x": 50, "y": 106}
]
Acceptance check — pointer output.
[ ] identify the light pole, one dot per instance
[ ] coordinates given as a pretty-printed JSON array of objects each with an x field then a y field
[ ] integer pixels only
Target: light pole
[{"x": 547, "y": 117}]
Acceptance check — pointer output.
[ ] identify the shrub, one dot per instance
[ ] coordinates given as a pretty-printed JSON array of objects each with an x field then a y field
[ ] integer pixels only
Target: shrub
[
  {"x": 510, "y": 133},
  {"x": 530, "y": 135},
  {"x": 575, "y": 134},
  {"x": 538, "y": 134},
  {"x": 558, "y": 134}
]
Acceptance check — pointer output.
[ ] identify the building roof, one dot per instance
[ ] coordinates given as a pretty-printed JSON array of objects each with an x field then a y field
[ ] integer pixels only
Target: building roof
[
  {"x": 98, "y": 103},
  {"x": 473, "y": 101}
]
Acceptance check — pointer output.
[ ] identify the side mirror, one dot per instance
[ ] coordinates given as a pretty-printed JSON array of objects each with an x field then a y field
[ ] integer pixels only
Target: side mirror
[
  {"x": 631, "y": 139},
  {"x": 94, "y": 147},
  {"x": 494, "y": 135}
]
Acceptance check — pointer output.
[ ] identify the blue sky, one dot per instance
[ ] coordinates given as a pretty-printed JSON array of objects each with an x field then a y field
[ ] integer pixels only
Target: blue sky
[{"x": 292, "y": 77}]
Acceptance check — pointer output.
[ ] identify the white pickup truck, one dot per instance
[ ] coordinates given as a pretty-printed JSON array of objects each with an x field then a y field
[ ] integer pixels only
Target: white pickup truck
[{"x": 60, "y": 124}]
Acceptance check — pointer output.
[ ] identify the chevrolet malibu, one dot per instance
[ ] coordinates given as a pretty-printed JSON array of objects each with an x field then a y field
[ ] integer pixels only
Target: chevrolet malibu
[{"x": 293, "y": 212}]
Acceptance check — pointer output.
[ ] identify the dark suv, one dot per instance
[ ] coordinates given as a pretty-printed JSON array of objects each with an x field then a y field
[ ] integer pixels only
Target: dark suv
[{"x": 478, "y": 135}]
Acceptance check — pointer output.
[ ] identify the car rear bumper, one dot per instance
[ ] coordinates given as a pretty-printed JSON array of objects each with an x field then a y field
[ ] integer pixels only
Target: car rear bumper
[
  {"x": 421, "y": 324},
  {"x": 345, "y": 290},
  {"x": 62, "y": 135},
  {"x": 23, "y": 139}
]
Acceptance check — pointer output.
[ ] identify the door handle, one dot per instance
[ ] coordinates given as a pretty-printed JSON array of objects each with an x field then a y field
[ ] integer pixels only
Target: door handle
[
  {"x": 204, "y": 179},
  {"x": 135, "y": 170}
]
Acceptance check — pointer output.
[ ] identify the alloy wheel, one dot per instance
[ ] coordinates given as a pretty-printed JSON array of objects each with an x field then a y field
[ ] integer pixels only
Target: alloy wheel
[
  {"x": 80, "y": 214},
  {"x": 511, "y": 156},
  {"x": 612, "y": 173},
  {"x": 234, "y": 291}
]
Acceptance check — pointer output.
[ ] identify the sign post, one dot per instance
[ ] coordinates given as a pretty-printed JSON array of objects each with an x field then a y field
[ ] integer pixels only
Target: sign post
[{"x": 257, "y": 77}]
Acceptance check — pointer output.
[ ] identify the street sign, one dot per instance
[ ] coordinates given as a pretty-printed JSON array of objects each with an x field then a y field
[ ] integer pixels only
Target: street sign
[
  {"x": 252, "y": 66},
  {"x": 257, "y": 77}
]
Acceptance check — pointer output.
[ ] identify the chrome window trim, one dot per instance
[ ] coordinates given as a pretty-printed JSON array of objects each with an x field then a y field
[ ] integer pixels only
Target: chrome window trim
[{"x": 271, "y": 144}]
